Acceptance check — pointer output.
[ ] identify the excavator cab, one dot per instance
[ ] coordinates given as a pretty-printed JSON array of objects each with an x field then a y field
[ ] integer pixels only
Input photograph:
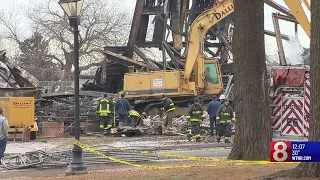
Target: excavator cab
[
  {"x": 212, "y": 77},
  {"x": 207, "y": 75}
]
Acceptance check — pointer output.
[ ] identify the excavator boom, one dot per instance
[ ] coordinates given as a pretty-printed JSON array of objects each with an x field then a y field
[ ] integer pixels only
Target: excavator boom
[
  {"x": 218, "y": 12},
  {"x": 298, "y": 12},
  {"x": 199, "y": 29}
]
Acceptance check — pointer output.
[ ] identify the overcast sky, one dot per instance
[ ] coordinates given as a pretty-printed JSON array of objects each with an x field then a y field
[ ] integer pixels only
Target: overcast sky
[{"x": 129, "y": 5}]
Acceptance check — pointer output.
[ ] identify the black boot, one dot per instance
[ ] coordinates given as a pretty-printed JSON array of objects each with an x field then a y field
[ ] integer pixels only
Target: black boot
[
  {"x": 189, "y": 137},
  {"x": 218, "y": 140},
  {"x": 197, "y": 139}
]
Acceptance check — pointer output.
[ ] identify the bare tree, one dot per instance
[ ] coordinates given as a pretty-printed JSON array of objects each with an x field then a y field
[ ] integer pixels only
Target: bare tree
[
  {"x": 36, "y": 59},
  {"x": 253, "y": 113},
  {"x": 102, "y": 24}
]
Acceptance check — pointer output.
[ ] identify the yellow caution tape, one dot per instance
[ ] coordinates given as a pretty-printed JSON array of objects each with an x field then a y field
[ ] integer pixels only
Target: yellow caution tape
[
  {"x": 230, "y": 163},
  {"x": 190, "y": 158}
]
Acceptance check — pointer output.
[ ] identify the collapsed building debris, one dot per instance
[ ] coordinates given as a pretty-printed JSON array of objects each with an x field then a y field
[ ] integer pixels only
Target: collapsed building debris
[
  {"x": 180, "y": 125},
  {"x": 13, "y": 75}
]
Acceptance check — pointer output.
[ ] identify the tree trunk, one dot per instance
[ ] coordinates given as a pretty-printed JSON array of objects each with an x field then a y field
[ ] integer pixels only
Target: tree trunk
[
  {"x": 253, "y": 122},
  {"x": 68, "y": 76},
  {"x": 313, "y": 169}
]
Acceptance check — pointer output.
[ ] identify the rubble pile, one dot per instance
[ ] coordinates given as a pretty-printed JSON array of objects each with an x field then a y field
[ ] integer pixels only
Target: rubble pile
[
  {"x": 13, "y": 76},
  {"x": 59, "y": 106},
  {"x": 63, "y": 109},
  {"x": 180, "y": 125}
]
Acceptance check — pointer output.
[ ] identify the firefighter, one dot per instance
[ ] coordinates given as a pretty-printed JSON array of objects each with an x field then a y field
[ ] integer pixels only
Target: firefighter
[
  {"x": 168, "y": 107},
  {"x": 195, "y": 114},
  {"x": 222, "y": 98},
  {"x": 134, "y": 118},
  {"x": 224, "y": 120},
  {"x": 104, "y": 110}
]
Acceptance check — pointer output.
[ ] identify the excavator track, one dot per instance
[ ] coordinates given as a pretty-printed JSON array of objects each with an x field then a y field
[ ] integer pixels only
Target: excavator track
[{"x": 152, "y": 107}]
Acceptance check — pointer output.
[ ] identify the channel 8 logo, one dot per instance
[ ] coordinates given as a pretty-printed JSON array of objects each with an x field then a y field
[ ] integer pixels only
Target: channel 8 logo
[{"x": 280, "y": 151}]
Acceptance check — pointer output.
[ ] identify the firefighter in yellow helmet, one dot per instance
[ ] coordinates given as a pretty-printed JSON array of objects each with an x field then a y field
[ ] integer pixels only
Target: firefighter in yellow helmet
[
  {"x": 104, "y": 109},
  {"x": 195, "y": 115},
  {"x": 224, "y": 120}
]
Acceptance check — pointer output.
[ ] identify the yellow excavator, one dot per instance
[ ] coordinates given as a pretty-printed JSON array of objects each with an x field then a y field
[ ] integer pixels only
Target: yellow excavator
[{"x": 201, "y": 76}]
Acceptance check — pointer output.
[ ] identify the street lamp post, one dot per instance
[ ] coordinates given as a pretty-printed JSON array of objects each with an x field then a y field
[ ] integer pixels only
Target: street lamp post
[{"x": 72, "y": 8}]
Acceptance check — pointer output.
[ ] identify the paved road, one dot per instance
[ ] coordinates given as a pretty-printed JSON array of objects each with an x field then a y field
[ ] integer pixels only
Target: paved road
[
  {"x": 194, "y": 151},
  {"x": 207, "y": 152}
]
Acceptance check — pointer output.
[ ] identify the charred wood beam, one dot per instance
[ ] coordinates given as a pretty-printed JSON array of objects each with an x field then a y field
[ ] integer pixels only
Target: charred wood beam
[
  {"x": 174, "y": 59},
  {"x": 154, "y": 11},
  {"x": 210, "y": 44},
  {"x": 278, "y": 7},
  {"x": 135, "y": 27},
  {"x": 270, "y": 33},
  {"x": 224, "y": 41},
  {"x": 183, "y": 13},
  {"x": 150, "y": 44},
  {"x": 175, "y": 23},
  {"x": 169, "y": 27},
  {"x": 7, "y": 79},
  {"x": 142, "y": 55},
  {"x": 116, "y": 49},
  {"x": 143, "y": 28},
  {"x": 123, "y": 60},
  {"x": 175, "y": 52},
  {"x": 287, "y": 18},
  {"x": 164, "y": 21},
  {"x": 210, "y": 52},
  {"x": 160, "y": 65},
  {"x": 279, "y": 40}
]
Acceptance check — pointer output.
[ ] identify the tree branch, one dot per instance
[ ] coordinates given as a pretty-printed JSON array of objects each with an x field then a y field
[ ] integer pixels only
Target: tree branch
[{"x": 83, "y": 68}]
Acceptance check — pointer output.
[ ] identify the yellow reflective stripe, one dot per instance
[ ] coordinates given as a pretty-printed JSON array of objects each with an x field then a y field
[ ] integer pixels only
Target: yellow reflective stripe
[
  {"x": 171, "y": 104},
  {"x": 220, "y": 122},
  {"x": 171, "y": 109},
  {"x": 226, "y": 138},
  {"x": 101, "y": 126},
  {"x": 225, "y": 114},
  {"x": 197, "y": 135},
  {"x": 203, "y": 115},
  {"x": 217, "y": 118},
  {"x": 196, "y": 112},
  {"x": 109, "y": 126},
  {"x": 228, "y": 121},
  {"x": 187, "y": 116},
  {"x": 233, "y": 119},
  {"x": 100, "y": 107},
  {"x": 194, "y": 120}
]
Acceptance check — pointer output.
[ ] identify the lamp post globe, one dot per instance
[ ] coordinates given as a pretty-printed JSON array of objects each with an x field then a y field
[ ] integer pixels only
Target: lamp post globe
[{"x": 72, "y": 9}]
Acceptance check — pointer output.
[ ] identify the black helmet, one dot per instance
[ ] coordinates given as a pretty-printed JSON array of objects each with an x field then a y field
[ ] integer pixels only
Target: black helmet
[{"x": 196, "y": 100}]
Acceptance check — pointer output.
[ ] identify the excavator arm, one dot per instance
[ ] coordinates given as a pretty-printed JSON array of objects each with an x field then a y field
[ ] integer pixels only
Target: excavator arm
[
  {"x": 218, "y": 12},
  {"x": 298, "y": 12},
  {"x": 199, "y": 29}
]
